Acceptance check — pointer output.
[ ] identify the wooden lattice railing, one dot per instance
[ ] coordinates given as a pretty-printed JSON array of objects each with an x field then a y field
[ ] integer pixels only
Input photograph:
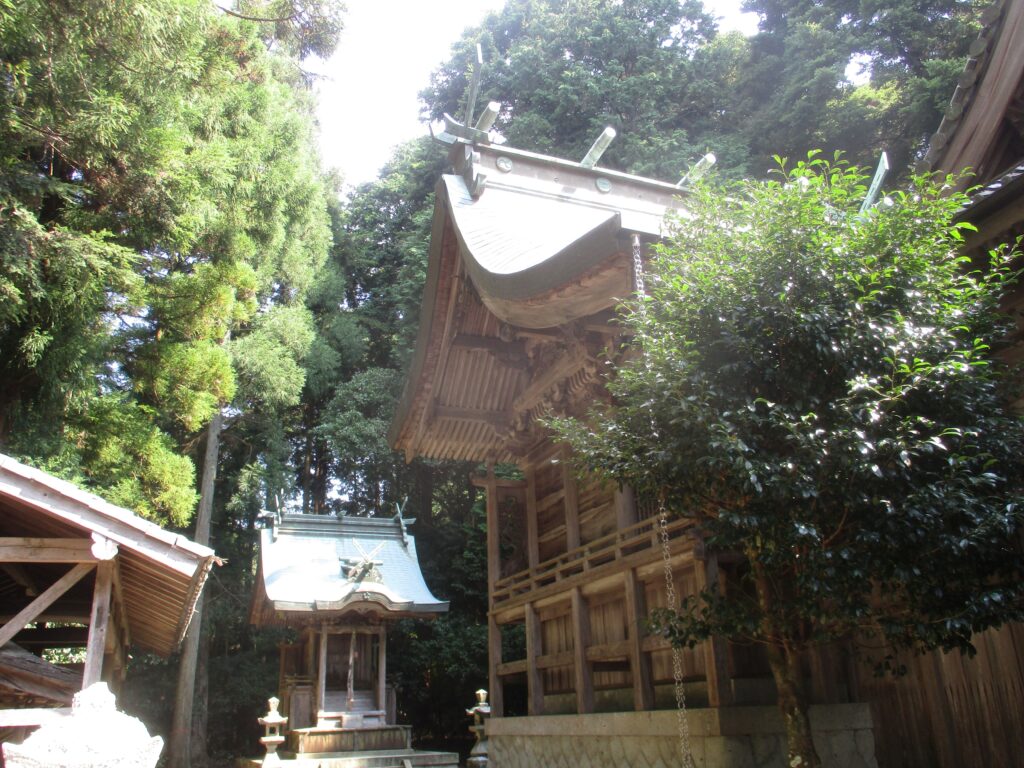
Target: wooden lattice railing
[{"x": 638, "y": 542}]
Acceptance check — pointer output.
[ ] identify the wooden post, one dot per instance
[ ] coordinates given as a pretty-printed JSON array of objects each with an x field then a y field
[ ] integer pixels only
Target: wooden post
[
  {"x": 625, "y": 507},
  {"x": 534, "y": 648},
  {"x": 572, "y": 503},
  {"x": 321, "y": 689},
  {"x": 99, "y": 620},
  {"x": 639, "y": 662},
  {"x": 497, "y": 692},
  {"x": 581, "y": 633},
  {"x": 493, "y": 534},
  {"x": 382, "y": 663},
  {"x": 532, "y": 544},
  {"x": 716, "y": 649},
  {"x": 350, "y": 679}
]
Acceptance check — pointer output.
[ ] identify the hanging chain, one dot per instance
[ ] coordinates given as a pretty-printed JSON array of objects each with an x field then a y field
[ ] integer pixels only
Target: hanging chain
[
  {"x": 638, "y": 271},
  {"x": 671, "y": 599},
  {"x": 682, "y": 721}
]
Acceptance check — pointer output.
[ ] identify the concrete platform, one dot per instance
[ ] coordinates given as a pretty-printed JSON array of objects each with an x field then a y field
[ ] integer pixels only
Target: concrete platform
[{"x": 398, "y": 758}]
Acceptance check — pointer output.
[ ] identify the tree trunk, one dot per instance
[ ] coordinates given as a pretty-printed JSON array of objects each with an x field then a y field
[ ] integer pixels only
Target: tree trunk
[
  {"x": 784, "y": 660},
  {"x": 179, "y": 743},
  {"x": 200, "y": 705},
  {"x": 789, "y": 683}
]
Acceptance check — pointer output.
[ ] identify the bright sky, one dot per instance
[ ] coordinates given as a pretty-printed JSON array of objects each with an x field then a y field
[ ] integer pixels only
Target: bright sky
[{"x": 368, "y": 98}]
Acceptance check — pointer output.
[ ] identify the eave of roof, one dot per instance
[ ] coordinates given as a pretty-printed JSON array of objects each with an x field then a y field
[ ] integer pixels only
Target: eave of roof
[
  {"x": 965, "y": 132},
  {"x": 163, "y": 572},
  {"x": 302, "y": 567},
  {"x": 538, "y": 244}
]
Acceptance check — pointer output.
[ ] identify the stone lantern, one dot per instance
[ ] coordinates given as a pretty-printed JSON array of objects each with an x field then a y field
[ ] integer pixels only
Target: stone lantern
[
  {"x": 272, "y": 722},
  {"x": 480, "y": 713}
]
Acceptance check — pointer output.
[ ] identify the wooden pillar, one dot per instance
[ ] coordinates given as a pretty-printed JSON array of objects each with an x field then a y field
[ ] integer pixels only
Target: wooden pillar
[
  {"x": 572, "y": 503},
  {"x": 534, "y": 648},
  {"x": 716, "y": 649},
  {"x": 625, "y": 507},
  {"x": 493, "y": 534},
  {"x": 99, "y": 621},
  {"x": 350, "y": 678},
  {"x": 493, "y": 573},
  {"x": 321, "y": 688},
  {"x": 581, "y": 632},
  {"x": 310, "y": 666},
  {"x": 382, "y": 663},
  {"x": 532, "y": 543},
  {"x": 639, "y": 662},
  {"x": 497, "y": 692}
]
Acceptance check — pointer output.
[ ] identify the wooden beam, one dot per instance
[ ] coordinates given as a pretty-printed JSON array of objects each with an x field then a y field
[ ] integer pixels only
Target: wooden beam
[
  {"x": 560, "y": 659},
  {"x": 639, "y": 662},
  {"x": 25, "y": 549},
  {"x": 510, "y": 353},
  {"x": 716, "y": 649},
  {"x": 53, "y": 637},
  {"x": 497, "y": 690},
  {"x": 572, "y": 503},
  {"x": 581, "y": 667},
  {"x": 99, "y": 621},
  {"x": 497, "y": 420},
  {"x": 534, "y": 648},
  {"x": 507, "y": 668},
  {"x": 44, "y": 601},
  {"x": 609, "y": 651},
  {"x": 21, "y": 577},
  {"x": 548, "y": 377}
]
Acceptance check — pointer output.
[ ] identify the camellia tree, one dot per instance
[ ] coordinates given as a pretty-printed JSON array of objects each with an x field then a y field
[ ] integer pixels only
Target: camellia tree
[{"x": 816, "y": 387}]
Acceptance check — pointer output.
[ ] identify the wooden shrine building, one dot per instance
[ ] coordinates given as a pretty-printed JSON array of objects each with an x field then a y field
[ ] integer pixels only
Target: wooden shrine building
[
  {"x": 78, "y": 572},
  {"x": 528, "y": 259},
  {"x": 339, "y": 581}
]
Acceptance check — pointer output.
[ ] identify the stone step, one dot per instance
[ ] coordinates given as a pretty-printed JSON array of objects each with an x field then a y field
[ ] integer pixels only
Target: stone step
[{"x": 399, "y": 758}]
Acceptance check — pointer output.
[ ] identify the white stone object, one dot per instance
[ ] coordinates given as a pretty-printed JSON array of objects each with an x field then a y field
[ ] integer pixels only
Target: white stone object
[{"x": 95, "y": 735}]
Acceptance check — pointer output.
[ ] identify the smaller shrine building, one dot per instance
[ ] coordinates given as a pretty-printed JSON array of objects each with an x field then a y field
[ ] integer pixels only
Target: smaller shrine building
[{"x": 339, "y": 581}]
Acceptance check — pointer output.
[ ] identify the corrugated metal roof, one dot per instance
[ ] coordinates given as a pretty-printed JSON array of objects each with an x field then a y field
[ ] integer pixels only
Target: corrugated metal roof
[{"x": 322, "y": 563}]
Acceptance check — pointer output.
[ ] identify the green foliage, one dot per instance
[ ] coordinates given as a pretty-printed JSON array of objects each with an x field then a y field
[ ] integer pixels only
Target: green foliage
[
  {"x": 436, "y": 665},
  {"x": 121, "y": 450},
  {"x": 657, "y": 71},
  {"x": 269, "y": 357},
  {"x": 796, "y": 95},
  {"x": 564, "y": 69},
  {"x": 816, "y": 388},
  {"x": 157, "y": 187}
]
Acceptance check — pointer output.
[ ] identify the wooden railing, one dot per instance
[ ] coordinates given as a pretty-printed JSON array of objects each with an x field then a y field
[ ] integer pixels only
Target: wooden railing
[{"x": 640, "y": 541}]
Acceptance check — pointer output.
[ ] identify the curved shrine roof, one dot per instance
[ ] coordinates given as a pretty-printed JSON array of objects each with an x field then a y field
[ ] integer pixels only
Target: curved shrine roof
[
  {"x": 528, "y": 257},
  {"x": 319, "y": 563}
]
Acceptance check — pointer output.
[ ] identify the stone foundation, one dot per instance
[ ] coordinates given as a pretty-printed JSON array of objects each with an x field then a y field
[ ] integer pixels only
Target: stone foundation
[
  {"x": 315, "y": 740},
  {"x": 733, "y": 737}
]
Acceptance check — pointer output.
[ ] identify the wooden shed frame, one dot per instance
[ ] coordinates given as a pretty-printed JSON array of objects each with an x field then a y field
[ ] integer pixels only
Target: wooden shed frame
[{"x": 68, "y": 556}]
